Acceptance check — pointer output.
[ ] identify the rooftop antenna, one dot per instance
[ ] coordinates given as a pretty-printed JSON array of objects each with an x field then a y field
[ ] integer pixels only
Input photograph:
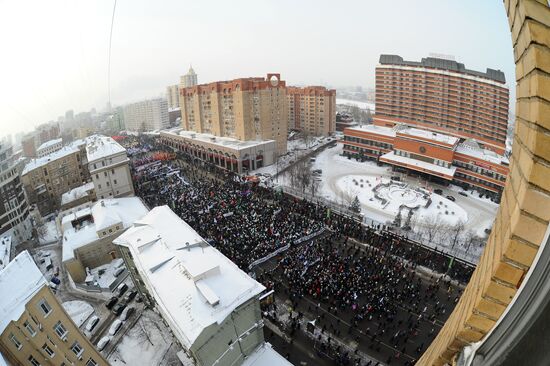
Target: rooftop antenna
[{"x": 110, "y": 42}]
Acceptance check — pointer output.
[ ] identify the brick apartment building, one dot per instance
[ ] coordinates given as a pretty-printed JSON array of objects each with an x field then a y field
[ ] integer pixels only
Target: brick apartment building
[{"x": 312, "y": 109}]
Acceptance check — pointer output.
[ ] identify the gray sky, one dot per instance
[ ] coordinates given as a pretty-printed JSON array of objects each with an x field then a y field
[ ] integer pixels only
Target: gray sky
[{"x": 55, "y": 53}]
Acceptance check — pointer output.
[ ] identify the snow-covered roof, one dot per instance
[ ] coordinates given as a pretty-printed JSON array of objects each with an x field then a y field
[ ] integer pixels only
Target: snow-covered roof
[
  {"x": 360, "y": 105},
  {"x": 480, "y": 153},
  {"x": 193, "y": 284},
  {"x": 424, "y": 165},
  {"x": 47, "y": 144},
  {"x": 76, "y": 193},
  {"x": 105, "y": 213},
  {"x": 265, "y": 355},
  {"x": 99, "y": 147},
  {"x": 378, "y": 130},
  {"x": 61, "y": 153},
  {"x": 20, "y": 280},
  {"x": 434, "y": 136},
  {"x": 5, "y": 251},
  {"x": 216, "y": 140}
]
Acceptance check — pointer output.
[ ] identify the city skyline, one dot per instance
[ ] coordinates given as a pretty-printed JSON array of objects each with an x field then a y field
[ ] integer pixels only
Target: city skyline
[{"x": 313, "y": 43}]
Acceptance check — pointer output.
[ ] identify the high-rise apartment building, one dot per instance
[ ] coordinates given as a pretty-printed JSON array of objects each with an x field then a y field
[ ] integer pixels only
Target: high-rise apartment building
[
  {"x": 14, "y": 209},
  {"x": 34, "y": 327},
  {"x": 147, "y": 115},
  {"x": 190, "y": 79},
  {"x": 173, "y": 96},
  {"x": 444, "y": 97},
  {"x": 245, "y": 109},
  {"x": 312, "y": 109}
]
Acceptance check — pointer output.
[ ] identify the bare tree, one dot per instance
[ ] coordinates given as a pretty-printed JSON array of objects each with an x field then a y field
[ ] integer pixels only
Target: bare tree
[
  {"x": 454, "y": 231},
  {"x": 314, "y": 186},
  {"x": 41, "y": 232},
  {"x": 431, "y": 226}
]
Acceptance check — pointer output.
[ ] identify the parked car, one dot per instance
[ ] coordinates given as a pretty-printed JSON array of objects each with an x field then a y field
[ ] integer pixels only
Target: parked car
[
  {"x": 130, "y": 296},
  {"x": 119, "y": 271},
  {"x": 121, "y": 289},
  {"x": 56, "y": 280},
  {"x": 451, "y": 198},
  {"x": 438, "y": 191},
  {"x": 127, "y": 313},
  {"x": 111, "y": 302},
  {"x": 92, "y": 323},
  {"x": 396, "y": 178},
  {"x": 463, "y": 194},
  {"x": 318, "y": 171},
  {"x": 118, "y": 308},
  {"x": 103, "y": 342},
  {"x": 115, "y": 327}
]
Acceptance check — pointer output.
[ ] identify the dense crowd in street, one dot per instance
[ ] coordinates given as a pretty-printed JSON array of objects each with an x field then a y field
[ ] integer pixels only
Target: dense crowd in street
[{"x": 246, "y": 222}]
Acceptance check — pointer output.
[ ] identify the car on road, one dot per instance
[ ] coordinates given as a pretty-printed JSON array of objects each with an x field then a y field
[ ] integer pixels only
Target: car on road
[
  {"x": 121, "y": 289},
  {"x": 130, "y": 296},
  {"x": 127, "y": 313},
  {"x": 115, "y": 327},
  {"x": 463, "y": 194},
  {"x": 438, "y": 191},
  {"x": 111, "y": 302},
  {"x": 103, "y": 342},
  {"x": 119, "y": 271},
  {"x": 118, "y": 308},
  {"x": 451, "y": 198},
  {"x": 92, "y": 323}
]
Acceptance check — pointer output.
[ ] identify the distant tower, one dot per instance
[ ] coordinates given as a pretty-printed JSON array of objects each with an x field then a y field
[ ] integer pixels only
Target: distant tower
[{"x": 189, "y": 79}]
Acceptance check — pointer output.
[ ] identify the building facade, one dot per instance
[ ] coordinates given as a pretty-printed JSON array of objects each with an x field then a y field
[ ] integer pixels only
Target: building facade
[
  {"x": 34, "y": 327},
  {"x": 248, "y": 109},
  {"x": 109, "y": 167},
  {"x": 190, "y": 79},
  {"x": 147, "y": 115},
  {"x": 173, "y": 96},
  {"x": 312, "y": 110},
  {"x": 49, "y": 147},
  {"x": 14, "y": 209},
  {"x": 211, "y": 306},
  {"x": 436, "y": 156},
  {"x": 443, "y": 96},
  {"x": 45, "y": 179}
]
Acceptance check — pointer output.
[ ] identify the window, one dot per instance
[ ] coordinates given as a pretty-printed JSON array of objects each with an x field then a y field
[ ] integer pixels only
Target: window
[
  {"x": 33, "y": 361},
  {"x": 99, "y": 187},
  {"x": 45, "y": 307},
  {"x": 60, "y": 330},
  {"x": 104, "y": 174},
  {"x": 114, "y": 181},
  {"x": 91, "y": 362},
  {"x": 29, "y": 327},
  {"x": 77, "y": 349},
  {"x": 48, "y": 350},
  {"x": 97, "y": 176},
  {"x": 112, "y": 171},
  {"x": 15, "y": 341}
]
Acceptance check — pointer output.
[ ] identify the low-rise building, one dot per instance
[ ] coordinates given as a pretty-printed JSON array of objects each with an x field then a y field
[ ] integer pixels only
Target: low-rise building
[
  {"x": 109, "y": 167},
  {"x": 88, "y": 233},
  {"x": 45, "y": 179},
  {"x": 211, "y": 306},
  {"x": 34, "y": 327},
  {"x": 225, "y": 152},
  {"x": 77, "y": 196},
  {"x": 49, "y": 147},
  {"x": 437, "y": 156}
]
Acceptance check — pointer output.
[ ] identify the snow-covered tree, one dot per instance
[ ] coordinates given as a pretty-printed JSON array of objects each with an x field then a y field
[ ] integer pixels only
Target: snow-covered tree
[{"x": 355, "y": 205}]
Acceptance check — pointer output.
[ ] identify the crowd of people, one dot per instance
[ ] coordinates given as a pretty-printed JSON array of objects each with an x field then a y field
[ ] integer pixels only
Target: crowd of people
[{"x": 363, "y": 272}]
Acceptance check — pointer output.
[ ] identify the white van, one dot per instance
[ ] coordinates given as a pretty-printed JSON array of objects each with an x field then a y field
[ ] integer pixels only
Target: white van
[
  {"x": 115, "y": 327},
  {"x": 92, "y": 323}
]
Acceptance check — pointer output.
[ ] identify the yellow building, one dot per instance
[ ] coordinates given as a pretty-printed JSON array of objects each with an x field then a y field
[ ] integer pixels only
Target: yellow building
[
  {"x": 34, "y": 327},
  {"x": 312, "y": 110},
  {"x": 247, "y": 109}
]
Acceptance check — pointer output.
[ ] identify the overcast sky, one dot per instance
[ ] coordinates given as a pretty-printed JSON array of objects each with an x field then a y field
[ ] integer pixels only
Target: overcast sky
[{"x": 54, "y": 54}]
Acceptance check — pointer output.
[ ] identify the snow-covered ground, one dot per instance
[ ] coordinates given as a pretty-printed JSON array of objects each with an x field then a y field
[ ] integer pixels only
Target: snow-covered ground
[
  {"x": 105, "y": 275},
  {"x": 79, "y": 311},
  {"x": 361, "y": 105},
  {"x": 148, "y": 342},
  {"x": 50, "y": 233}
]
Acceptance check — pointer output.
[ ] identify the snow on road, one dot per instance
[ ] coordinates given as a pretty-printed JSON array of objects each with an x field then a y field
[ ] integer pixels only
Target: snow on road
[
  {"x": 50, "y": 233},
  {"x": 79, "y": 311}
]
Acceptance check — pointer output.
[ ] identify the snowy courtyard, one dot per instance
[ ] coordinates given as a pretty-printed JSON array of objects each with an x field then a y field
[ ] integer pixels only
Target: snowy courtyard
[{"x": 78, "y": 310}]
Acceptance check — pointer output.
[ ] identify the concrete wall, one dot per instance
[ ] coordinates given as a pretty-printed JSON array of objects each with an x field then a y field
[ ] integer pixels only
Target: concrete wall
[{"x": 524, "y": 212}]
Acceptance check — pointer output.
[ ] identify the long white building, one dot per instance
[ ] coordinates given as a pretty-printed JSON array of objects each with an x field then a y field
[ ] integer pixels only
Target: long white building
[
  {"x": 109, "y": 167},
  {"x": 147, "y": 115},
  {"x": 211, "y": 306}
]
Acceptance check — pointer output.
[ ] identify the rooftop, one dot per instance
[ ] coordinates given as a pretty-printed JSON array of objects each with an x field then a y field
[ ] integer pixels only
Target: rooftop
[
  {"x": 79, "y": 231},
  {"x": 99, "y": 147},
  {"x": 420, "y": 165},
  {"x": 64, "y": 151},
  {"x": 5, "y": 251},
  {"x": 76, "y": 193},
  {"x": 471, "y": 148},
  {"x": 21, "y": 279},
  {"x": 443, "y": 64},
  {"x": 434, "y": 136},
  {"x": 378, "y": 130},
  {"x": 50, "y": 143},
  {"x": 265, "y": 355},
  {"x": 193, "y": 284},
  {"x": 216, "y": 140}
]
